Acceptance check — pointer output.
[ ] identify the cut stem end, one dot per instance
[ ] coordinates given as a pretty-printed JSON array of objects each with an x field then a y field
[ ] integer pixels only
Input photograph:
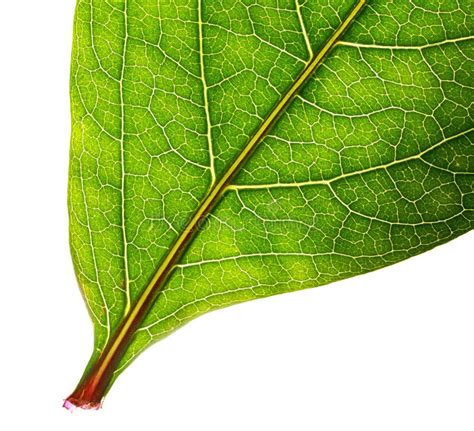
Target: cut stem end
[{"x": 72, "y": 404}]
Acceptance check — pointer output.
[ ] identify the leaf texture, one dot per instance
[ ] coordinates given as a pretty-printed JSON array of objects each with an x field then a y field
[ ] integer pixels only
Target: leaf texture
[{"x": 369, "y": 163}]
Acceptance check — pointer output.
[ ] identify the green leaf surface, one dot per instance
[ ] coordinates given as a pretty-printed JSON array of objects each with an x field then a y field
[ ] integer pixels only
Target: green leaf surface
[{"x": 370, "y": 162}]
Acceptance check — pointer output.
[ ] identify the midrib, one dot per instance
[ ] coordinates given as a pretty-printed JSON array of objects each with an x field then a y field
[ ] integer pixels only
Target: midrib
[{"x": 95, "y": 384}]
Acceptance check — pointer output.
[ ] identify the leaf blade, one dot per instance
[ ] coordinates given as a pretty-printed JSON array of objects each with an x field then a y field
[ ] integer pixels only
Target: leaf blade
[{"x": 180, "y": 302}]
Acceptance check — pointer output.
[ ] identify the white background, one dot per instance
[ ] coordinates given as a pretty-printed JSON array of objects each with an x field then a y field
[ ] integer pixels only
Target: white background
[{"x": 392, "y": 350}]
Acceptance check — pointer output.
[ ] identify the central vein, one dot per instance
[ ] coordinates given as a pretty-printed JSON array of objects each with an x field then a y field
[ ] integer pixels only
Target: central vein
[{"x": 133, "y": 319}]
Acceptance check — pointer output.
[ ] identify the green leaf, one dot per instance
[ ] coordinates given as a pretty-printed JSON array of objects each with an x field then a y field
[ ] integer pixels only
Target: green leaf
[{"x": 229, "y": 150}]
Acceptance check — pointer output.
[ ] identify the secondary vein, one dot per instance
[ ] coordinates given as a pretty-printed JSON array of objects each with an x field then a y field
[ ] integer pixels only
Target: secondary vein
[
  {"x": 205, "y": 96},
  {"x": 329, "y": 181},
  {"x": 122, "y": 162},
  {"x": 309, "y": 48}
]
